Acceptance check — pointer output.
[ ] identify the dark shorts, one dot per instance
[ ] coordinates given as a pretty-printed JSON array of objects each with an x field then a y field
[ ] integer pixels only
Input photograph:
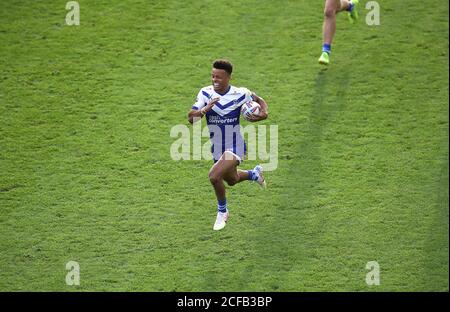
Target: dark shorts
[{"x": 234, "y": 150}]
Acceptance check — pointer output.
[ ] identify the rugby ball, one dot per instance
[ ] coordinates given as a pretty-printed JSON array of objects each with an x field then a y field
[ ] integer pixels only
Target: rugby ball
[{"x": 250, "y": 108}]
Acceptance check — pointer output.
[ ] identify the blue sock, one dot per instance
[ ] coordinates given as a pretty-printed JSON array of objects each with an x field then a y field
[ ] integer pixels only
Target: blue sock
[
  {"x": 252, "y": 176},
  {"x": 350, "y": 7},
  {"x": 326, "y": 48},
  {"x": 222, "y": 205}
]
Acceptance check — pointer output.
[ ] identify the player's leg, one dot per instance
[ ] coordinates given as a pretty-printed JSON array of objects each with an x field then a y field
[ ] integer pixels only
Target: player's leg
[
  {"x": 221, "y": 168},
  {"x": 237, "y": 176},
  {"x": 332, "y": 7},
  {"x": 225, "y": 169}
]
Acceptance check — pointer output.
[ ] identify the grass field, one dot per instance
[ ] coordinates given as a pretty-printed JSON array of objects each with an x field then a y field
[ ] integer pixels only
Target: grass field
[{"x": 86, "y": 173}]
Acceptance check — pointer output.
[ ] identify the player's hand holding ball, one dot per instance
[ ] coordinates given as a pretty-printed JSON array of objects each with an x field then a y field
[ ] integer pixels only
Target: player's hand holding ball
[{"x": 252, "y": 111}]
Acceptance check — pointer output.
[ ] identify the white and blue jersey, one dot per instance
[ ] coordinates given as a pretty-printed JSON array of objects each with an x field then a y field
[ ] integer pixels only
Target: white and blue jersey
[{"x": 223, "y": 119}]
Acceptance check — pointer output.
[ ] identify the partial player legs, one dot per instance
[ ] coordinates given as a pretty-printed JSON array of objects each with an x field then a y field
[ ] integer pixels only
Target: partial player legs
[
  {"x": 332, "y": 7},
  {"x": 225, "y": 169},
  {"x": 235, "y": 177}
]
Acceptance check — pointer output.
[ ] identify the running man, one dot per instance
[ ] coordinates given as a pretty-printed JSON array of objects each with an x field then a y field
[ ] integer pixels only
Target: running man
[
  {"x": 332, "y": 7},
  {"x": 221, "y": 104}
]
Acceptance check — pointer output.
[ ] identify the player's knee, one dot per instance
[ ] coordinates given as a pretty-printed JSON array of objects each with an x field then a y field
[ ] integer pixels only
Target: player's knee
[
  {"x": 214, "y": 177},
  {"x": 329, "y": 13},
  {"x": 231, "y": 182}
]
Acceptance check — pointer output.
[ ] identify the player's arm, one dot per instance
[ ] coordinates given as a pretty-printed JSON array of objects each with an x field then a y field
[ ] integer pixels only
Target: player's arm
[
  {"x": 197, "y": 114},
  {"x": 263, "y": 112}
]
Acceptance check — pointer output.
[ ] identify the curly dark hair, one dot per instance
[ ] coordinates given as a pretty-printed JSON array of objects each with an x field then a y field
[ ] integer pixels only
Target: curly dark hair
[{"x": 223, "y": 64}]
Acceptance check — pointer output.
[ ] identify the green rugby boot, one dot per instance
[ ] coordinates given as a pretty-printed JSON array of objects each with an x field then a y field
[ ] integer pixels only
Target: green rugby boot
[{"x": 324, "y": 59}]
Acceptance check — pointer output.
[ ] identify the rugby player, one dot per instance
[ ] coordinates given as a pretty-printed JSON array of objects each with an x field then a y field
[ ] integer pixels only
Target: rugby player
[{"x": 221, "y": 103}]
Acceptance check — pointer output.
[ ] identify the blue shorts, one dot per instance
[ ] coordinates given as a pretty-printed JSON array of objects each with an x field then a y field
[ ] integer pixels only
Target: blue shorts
[{"x": 240, "y": 156}]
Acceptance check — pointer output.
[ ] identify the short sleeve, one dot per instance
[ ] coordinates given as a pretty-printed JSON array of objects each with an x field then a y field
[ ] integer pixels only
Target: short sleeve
[
  {"x": 200, "y": 102},
  {"x": 248, "y": 94}
]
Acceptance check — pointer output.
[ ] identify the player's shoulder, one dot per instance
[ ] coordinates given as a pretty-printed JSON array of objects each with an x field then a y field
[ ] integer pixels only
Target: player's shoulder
[
  {"x": 240, "y": 90},
  {"x": 207, "y": 91}
]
